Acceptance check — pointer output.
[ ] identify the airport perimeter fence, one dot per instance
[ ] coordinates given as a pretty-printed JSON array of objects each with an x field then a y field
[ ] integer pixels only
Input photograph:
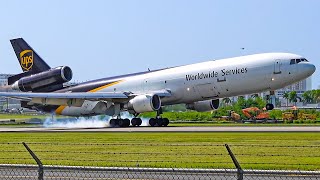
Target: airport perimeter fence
[{"x": 114, "y": 161}]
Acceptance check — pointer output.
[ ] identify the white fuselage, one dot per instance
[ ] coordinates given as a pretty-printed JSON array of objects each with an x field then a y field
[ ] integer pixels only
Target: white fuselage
[{"x": 216, "y": 79}]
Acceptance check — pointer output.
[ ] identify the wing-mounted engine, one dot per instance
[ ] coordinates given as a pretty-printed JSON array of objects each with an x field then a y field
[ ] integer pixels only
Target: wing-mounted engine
[
  {"x": 144, "y": 103},
  {"x": 45, "y": 81},
  {"x": 203, "y": 106}
]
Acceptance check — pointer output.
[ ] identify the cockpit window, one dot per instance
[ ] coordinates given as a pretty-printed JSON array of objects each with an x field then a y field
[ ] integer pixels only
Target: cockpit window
[
  {"x": 293, "y": 61},
  {"x": 296, "y": 61}
]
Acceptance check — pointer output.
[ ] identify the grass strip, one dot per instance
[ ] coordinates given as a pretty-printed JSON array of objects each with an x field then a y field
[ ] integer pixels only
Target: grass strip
[{"x": 186, "y": 150}]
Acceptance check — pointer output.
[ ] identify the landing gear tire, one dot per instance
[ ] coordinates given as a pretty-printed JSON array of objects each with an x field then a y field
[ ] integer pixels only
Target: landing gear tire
[
  {"x": 152, "y": 122},
  {"x": 269, "y": 106},
  {"x": 139, "y": 121},
  {"x": 121, "y": 122},
  {"x": 136, "y": 121},
  {"x": 113, "y": 122},
  {"x": 165, "y": 122},
  {"x": 126, "y": 122},
  {"x": 160, "y": 122}
]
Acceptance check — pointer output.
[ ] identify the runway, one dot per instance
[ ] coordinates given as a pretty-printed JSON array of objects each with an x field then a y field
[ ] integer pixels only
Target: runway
[{"x": 170, "y": 129}]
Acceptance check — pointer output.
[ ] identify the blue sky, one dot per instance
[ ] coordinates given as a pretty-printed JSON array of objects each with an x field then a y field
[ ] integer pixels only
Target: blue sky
[{"x": 105, "y": 38}]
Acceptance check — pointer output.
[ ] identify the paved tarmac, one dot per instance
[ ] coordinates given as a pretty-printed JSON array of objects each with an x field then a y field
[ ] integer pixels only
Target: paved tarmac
[{"x": 170, "y": 129}]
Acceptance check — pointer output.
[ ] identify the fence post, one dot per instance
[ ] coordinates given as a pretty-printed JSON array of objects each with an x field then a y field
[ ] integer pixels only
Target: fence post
[
  {"x": 40, "y": 170},
  {"x": 236, "y": 163}
]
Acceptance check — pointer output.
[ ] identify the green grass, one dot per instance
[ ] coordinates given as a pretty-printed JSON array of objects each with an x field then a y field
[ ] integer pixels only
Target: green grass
[
  {"x": 27, "y": 116},
  {"x": 200, "y": 150},
  {"x": 20, "y": 116}
]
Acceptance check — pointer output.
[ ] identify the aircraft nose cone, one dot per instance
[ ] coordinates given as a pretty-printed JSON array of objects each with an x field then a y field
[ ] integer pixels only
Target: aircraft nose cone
[
  {"x": 311, "y": 68},
  {"x": 307, "y": 69}
]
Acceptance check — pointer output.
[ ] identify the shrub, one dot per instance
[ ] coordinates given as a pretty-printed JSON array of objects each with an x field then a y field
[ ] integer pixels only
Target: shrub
[
  {"x": 296, "y": 121},
  {"x": 308, "y": 121}
]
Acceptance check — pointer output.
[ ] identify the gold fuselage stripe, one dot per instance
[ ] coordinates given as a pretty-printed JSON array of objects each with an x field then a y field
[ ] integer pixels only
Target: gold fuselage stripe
[
  {"x": 105, "y": 86},
  {"x": 60, "y": 109}
]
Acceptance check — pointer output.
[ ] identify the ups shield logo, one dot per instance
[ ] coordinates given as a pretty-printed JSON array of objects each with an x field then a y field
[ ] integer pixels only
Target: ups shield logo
[{"x": 26, "y": 59}]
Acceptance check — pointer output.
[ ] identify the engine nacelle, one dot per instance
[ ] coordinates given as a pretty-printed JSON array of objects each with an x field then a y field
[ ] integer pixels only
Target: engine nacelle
[
  {"x": 144, "y": 103},
  {"x": 203, "y": 106},
  {"x": 55, "y": 76}
]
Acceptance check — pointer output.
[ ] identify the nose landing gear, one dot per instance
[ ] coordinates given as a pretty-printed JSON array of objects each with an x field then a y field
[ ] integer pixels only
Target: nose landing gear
[
  {"x": 269, "y": 106},
  {"x": 270, "y": 101}
]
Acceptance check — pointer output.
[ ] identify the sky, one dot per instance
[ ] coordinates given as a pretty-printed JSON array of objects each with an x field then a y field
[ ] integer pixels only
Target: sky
[{"x": 101, "y": 38}]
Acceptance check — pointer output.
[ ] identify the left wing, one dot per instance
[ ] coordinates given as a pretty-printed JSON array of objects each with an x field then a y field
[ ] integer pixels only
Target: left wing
[
  {"x": 70, "y": 99},
  {"x": 75, "y": 99}
]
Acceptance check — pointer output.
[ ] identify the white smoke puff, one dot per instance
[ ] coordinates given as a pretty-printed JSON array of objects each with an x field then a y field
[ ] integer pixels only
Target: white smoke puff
[
  {"x": 91, "y": 122},
  {"x": 145, "y": 122},
  {"x": 82, "y": 122}
]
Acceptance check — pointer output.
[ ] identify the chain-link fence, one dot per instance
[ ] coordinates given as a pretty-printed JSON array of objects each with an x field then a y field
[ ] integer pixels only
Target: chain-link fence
[
  {"x": 124, "y": 163},
  {"x": 10, "y": 171}
]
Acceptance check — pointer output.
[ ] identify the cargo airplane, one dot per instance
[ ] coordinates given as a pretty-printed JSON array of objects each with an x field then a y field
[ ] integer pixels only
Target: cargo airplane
[{"x": 199, "y": 86}]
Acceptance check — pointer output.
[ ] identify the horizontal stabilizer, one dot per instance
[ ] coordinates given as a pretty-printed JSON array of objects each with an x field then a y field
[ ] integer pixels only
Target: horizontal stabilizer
[{"x": 14, "y": 78}]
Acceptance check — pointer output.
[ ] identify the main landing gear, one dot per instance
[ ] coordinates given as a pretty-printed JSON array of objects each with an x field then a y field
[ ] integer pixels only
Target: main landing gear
[
  {"x": 118, "y": 122},
  {"x": 159, "y": 121}
]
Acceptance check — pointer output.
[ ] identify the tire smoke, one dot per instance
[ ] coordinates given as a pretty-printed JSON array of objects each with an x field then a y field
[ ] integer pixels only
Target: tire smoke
[
  {"x": 82, "y": 122},
  {"x": 100, "y": 121}
]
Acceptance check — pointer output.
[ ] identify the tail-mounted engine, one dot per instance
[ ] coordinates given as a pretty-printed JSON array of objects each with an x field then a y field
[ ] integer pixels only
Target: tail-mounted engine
[
  {"x": 203, "y": 106},
  {"x": 44, "y": 80}
]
